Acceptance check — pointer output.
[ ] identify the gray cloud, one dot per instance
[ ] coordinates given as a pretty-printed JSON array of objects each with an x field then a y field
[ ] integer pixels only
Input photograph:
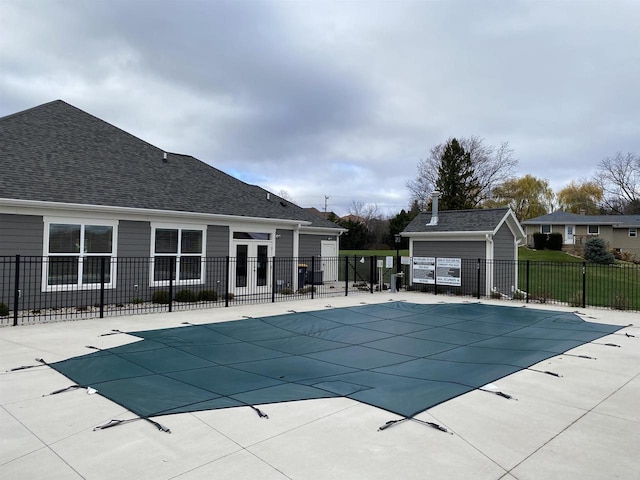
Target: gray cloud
[{"x": 337, "y": 98}]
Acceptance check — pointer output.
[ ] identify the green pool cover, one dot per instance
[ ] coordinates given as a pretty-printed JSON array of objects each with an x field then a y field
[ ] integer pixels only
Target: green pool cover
[{"x": 398, "y": 356}]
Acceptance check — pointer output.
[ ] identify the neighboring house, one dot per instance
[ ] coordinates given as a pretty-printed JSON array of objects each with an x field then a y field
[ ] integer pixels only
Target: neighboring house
[
  {"x": 621, "y": 232},
  {"x": 74, "y": 188},
  {"x": 486, "y": 239}
]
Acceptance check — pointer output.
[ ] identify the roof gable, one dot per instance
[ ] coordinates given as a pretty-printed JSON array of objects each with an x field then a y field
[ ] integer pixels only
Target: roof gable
[
  {"x": 59, "y": 153},
  {"x": 564, "y": 218},
  {"x": 475, "y": 221}
]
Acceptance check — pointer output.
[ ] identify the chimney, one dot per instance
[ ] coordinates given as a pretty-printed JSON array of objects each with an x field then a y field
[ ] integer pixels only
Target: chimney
[{"x": 434, "y": 208}]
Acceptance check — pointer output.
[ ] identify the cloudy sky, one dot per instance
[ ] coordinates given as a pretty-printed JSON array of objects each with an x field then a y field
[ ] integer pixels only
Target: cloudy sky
[{"x": 338, "y": 98}]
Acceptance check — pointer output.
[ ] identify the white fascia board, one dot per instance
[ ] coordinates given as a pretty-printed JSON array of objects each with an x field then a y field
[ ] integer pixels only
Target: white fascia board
[
  {"x": 449, "y": 236},
  {"x": 513, "y": 224},
  {"x": 36, "y": 207},
  {"x": 322, "y": 230}
]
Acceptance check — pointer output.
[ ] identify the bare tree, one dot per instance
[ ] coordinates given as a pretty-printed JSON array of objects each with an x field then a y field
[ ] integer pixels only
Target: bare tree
[
  {"x": 365, "y": 211},
  {"x": 619, "y": 178},
  {"x": 492, "y": 167},
  {"x": 285, "y": 195}
]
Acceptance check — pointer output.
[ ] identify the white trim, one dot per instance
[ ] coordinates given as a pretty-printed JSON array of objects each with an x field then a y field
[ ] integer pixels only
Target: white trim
[
  {"x": 635, "y": 232},
  {"x": 36, "y": 207},
  {"x": 179, "y": 227},
  {"x": 82, "y": 222},
  {"x": 591, "y": 233}
]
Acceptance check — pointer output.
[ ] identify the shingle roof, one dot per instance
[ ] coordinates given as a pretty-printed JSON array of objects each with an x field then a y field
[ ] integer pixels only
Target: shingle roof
[
  {"x": 58, "y": 153},
  {"x": 458, "y": 221},
  {"x": 562, "y": 218}
]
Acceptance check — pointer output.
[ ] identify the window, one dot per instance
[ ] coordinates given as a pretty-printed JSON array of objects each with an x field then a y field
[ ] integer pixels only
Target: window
[
  {"x": 633, "y": 232},
  {"x": 545, "y": 228},
  {"x": 178, "y": 255},
  {"x": 593, "y": 229},
  {"x": 74, "y": 253}
]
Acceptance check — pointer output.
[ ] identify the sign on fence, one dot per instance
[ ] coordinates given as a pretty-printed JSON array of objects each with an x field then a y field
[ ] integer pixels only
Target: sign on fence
[
  {"x": 428, "y": 270},
  {"x": 448, "y": 271},
  {"x": 424, "y": 269}
]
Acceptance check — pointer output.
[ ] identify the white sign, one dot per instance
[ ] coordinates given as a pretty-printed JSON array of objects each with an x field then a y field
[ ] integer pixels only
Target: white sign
[
  {"x": 448, "y": 271},
  {"x": 405, "y": 260},
  {"x": 423, "y": 269},
  {"x": 389, "y": 262}
]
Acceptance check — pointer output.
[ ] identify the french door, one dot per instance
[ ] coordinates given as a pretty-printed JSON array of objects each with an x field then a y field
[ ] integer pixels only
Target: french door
[{"x": 251, "y": 272}]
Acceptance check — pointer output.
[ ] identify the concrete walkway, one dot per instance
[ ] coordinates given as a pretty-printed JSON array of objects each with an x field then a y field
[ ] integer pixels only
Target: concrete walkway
[{"x": 584, "y": 425}]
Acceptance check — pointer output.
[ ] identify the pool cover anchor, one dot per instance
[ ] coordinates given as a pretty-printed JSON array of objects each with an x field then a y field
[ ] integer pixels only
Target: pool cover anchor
[
  {"x": 115, "y": 422},
  {"x": 112, "y": 332},
  {"x": 437, "y": 426},
  {"x": 25, "y": 367}
]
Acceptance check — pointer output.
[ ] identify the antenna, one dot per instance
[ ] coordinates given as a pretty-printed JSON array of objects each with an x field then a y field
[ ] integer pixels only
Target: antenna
[{"x": 325, "y": 203}]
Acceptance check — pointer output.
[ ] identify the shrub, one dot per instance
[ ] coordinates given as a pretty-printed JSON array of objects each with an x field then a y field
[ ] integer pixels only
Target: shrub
[
  {"x": 4, "y": 310},
  {"x": 554, "y": 241},
  {"x": 207, "y": 296},
  {"x": 575, "y": 300},
  {"x": 137, "y": 300},
  {"x": 539, "y": 241},
  {"x": 230, "y": 296},
  {"x": 185, "y": 296},
  {"x": 286, "y": 291},
  {"x": 161, "y": 296},
  {"x": 307, "y": 289},
  {"x": 519, "y": 295},
  {"x": 595, "y": 251},
  {"x": 620, "y": 302}
]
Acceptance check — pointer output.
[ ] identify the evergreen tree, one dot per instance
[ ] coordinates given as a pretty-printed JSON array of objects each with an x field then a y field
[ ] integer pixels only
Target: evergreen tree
[{"x": 456, "y": 178}]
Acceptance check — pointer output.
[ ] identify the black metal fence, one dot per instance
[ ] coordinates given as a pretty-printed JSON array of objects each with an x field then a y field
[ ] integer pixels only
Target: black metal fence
[{"x": 36, "y": 289}]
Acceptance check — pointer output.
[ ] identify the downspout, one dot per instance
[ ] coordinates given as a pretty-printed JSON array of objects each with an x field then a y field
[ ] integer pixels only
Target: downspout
[{"x": 489, "y": 264}]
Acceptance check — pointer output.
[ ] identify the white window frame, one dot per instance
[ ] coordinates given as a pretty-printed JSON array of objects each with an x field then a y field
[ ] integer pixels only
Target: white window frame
[
  {"x": 633, "y": 232},
  {"x": 546, "y": 225},
  {"x": 179, "y": 227},
  {"x": 83, "y": 223},
  {"x": 589, "y": 232}
]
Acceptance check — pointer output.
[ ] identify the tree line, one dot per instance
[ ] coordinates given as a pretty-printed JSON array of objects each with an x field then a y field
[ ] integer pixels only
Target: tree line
[{"x": 471, "y": 174}]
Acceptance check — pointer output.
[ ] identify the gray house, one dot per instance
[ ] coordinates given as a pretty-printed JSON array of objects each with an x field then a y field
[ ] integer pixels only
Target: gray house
[
  {"x": 474, "y": 251},
  {"x": 620, "y": 232},
  {"x": 75, "y": 189}
]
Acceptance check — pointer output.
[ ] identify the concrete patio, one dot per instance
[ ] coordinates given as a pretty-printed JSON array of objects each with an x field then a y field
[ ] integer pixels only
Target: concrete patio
[{"x": 582, "y": 425}]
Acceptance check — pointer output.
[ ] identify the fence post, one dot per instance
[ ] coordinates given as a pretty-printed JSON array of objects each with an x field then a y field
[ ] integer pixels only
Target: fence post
[
  {"x": 226, "y": 282},
  {"x": 313, "y": 276},
  {"x": 273, "y": 280},
  {"x": 435, "y": 276},
  {"x": 172, "y": 262},
  {"x": 372, "y": 271},
  {"x": 346, "y": 275},
  {"x": 527, "y": 281},
  {"x": 584, "y": 284},
  {"x": 478, "y": 280},
  {"x": 16, "y": 291},
  {"x": 102, "y": 261}
]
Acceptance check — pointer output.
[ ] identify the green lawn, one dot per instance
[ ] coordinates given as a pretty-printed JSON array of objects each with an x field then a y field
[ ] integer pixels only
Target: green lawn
[
  {"x": 525, "y": 253},
  {"x": 555, "y": 276}
]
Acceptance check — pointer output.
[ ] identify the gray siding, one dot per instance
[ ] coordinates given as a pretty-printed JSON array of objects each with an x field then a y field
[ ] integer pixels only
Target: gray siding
[
  {"x": 469, "y": 252},
  {"x": 504, "y": 267},
  {"x": 466, "y": 249},
  {"x": 503, "y": 248},
  {"x": 309, "y": 246},
  {"x": 134, "y": 239},
  {"x": 217, "y": 241},
  {"x": 21, "y": 235},
  {"x": 284, "y": 243}
]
